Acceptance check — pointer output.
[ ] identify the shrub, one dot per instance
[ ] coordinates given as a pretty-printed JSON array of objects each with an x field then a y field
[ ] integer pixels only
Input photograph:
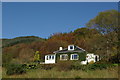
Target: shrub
[
  {"x": 98, "y": 66},
  {"x": 114, "y": 65},
  {"x": 78, "y": 66},
  {"x": 31, "y": 66},
  {"x": 47, "y": 66},
  {"x": 115, "y": 59},
  {"x": 15, "y": 69},
  {"x": 6, "y": 59},
  {"x": 64, "y": 65},
  {"x": 77, "y": 77},
  {"x": 91, "y": 62}
]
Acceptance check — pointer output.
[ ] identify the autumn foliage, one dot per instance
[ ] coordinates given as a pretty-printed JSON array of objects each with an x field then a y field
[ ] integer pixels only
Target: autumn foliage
[{"x": 90, "y": 38}]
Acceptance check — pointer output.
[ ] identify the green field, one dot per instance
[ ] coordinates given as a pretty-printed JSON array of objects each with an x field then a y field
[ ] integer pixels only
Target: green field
[{"x": 53, "y": 73}]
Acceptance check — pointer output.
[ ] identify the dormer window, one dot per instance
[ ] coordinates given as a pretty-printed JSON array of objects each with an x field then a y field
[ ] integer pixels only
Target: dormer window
[{"x": 71, "y": 47}]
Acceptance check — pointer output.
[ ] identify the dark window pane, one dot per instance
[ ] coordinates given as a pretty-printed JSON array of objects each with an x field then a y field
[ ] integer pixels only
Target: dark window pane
[
  {"x": 49, "y": 57},
  {"x": 71, "y": 47},
  {"x": 52, "y": 57},
  {"x": 75, "y": 56},
  {"x": 64, "y": 57}
]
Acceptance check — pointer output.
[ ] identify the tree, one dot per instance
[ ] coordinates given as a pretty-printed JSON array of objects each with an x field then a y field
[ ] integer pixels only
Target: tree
[
  {"x": 105, "y": 22},
  {"x": 37, "y": 56},
  {"x": 85, "y": 32}
]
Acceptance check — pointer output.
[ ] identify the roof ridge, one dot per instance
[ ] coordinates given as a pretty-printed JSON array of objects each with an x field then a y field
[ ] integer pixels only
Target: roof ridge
[{"x": 80, "y": 48}]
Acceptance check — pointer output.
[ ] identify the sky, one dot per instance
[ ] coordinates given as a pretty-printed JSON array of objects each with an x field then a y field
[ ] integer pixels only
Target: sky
[
  {"x": 0, "y": 21},
  {"x": 45, "y": 18}
]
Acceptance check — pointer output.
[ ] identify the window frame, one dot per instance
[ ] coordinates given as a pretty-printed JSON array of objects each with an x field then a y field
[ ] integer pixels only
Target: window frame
[
  {"x": 50, "y": 57},
  {"x": 47, "y": 57},
  {"x": 72, "y": 55},
  {"x": 71, "y": 47},
  {"x": 62, "y": 55}
]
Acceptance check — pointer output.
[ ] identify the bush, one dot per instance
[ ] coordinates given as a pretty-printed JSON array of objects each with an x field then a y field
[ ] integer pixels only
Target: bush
[
  {"x": 115, "y": 65},
  {"x": 47, "y": 66},
  {"x": 78, "y": 66},
  {"x": 97, "y": 66},
  {"x": 77, "y": 77},
  {"x": 31, "y": 66},
  {"x": 6, "y": 59},
  {"x": 15, "y": 69},
  {"x": 115, "y": 59},
  {"x": 64, "y": 65}
]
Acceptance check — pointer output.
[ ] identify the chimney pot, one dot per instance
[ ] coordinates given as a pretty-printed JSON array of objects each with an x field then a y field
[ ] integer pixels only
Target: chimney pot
[{"x": 60, "y": 48}]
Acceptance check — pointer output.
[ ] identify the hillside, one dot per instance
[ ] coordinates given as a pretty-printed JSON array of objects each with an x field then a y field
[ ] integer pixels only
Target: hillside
[
  {"x": 18, "y": 40},
  {"x": 22, "y": 49},
  {"x": 97, "y": 37}
]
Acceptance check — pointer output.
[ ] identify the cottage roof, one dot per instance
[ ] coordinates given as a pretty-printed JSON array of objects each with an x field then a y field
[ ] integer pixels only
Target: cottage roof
[{"x": 76, "y": 49}]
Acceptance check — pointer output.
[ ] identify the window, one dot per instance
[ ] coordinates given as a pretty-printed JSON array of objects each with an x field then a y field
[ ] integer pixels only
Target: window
[
  {"x": 74, "y": 57},
  {"x": 47, "y": 58},
  {"x": 71, "y": 47},
  {"x": 50, "y": 57},
  {"x": 63, "y": 57}
]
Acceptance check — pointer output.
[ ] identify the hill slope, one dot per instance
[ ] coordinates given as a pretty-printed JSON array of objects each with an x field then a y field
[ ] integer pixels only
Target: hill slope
[{"x": 18, "y": 40}]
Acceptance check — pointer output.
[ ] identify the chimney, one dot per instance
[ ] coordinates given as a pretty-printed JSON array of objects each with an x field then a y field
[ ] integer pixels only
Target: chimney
[{"x": 60, "y": 48}]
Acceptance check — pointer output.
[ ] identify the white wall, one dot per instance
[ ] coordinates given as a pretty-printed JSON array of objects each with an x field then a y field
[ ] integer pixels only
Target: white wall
[
  {"x": 89, "y": 58},
  {"x": 49, "y": 61}
]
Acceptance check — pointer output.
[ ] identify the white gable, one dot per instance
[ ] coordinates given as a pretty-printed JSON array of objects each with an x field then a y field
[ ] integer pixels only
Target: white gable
[{"x": 71, "y": 47}]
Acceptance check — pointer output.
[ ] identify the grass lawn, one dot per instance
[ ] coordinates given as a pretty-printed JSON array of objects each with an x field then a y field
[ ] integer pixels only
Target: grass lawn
[
  {"x": 53, "y": 73},
  {"x": 0, "y": 72}
]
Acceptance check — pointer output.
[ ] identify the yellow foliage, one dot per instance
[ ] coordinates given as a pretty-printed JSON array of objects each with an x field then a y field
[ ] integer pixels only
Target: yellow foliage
[{"x": 91, "y": 62}]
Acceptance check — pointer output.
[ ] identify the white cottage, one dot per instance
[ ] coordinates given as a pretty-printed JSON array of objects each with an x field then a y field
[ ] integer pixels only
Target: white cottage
[{"x": 71, "y": 53}]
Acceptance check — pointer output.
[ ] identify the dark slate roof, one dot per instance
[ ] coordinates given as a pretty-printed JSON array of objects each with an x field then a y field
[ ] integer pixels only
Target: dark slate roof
[{"x": 77, "y": 49}]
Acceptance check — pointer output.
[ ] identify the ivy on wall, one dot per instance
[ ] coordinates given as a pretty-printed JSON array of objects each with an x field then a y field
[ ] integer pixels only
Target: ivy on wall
[{"x": 82, "y": 55}]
